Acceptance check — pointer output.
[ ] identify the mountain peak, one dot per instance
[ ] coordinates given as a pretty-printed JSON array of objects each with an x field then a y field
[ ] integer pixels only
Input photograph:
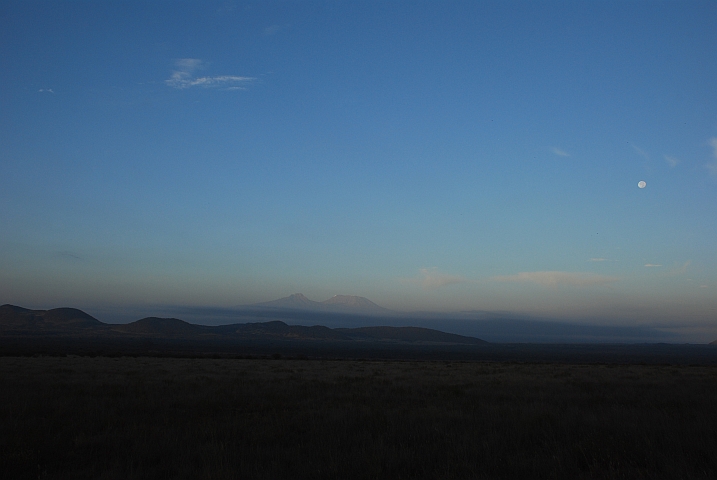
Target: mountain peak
[
  {"x": 297, "y": 300},
  {"x": 349, "y": 300},
  {"x": 298, "y": 297},
  {"x": 353, "y": 303}
]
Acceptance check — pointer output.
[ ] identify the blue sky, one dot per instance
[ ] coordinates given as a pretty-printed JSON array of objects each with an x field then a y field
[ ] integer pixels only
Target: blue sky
[{"x": 436, "y": 156}]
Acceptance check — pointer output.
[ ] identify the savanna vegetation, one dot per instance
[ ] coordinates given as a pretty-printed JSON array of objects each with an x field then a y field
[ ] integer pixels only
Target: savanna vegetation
[{"x": 143, "y": 417}]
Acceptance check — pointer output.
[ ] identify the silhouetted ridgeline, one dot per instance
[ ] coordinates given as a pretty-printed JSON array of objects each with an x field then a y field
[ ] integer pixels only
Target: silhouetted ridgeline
[
  {"x": 158, "y": 326},
  {"x": 65, "y": 331},
  {"x": 18, "y": 321}
]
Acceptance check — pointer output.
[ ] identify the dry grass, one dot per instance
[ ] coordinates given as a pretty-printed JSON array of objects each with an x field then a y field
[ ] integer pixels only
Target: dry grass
[{"x": 80, "y": 417}]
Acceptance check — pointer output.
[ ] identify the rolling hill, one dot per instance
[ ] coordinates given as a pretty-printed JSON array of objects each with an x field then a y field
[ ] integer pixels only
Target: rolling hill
[
  {"x": 159, "y": 326},
  {"x": 61, "y": 320},
  {"x": 18, "y": 321}
]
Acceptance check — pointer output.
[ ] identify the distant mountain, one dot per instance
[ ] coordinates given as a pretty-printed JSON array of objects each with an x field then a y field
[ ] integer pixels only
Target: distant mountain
[
  {"x": 348, "y": 304},
  {"x": 354, "y": 303},
  {"x": 713, "y": 343},
  {"x": 296, "y": 301},
  {"x": 57, "y": 319}
]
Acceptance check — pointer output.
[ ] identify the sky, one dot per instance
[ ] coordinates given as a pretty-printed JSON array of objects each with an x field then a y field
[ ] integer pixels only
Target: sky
[{"x": 430, "y": 156}]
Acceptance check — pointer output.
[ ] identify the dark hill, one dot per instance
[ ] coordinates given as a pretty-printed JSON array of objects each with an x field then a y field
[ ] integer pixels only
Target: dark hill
[
  {"x": 11, "y": 316},
  {"x": 70, "y": 316},
  {"x": 159, "y": 326},
  {"x": 71, "y": 322},
  {"x": 39, "y": 321},
  {"x": 279, "y": 329},
  {"x": 14, "y": 310},
  {"x": 409, "y": 334}
]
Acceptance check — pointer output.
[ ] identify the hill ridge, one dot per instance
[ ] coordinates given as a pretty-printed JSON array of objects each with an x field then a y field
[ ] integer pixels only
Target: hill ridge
[
  {"x": 159, "y": 326},
  {"x": 70, "y": 321},
  {"x": 46, "y": 320}
]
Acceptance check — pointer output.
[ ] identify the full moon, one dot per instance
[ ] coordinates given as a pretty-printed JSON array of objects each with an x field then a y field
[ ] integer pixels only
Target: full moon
[{"x": 641, "y": 184}]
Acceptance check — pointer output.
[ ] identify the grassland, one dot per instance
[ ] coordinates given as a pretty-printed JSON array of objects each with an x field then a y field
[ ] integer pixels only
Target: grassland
[{"x": 143, "y": 417}]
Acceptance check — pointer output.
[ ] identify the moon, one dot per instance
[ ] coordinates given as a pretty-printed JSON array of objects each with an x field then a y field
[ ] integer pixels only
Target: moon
[{"x": 641, "y": 184}]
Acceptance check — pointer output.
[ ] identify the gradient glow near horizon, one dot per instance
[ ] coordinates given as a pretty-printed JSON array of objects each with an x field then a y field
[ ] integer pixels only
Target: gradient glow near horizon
[{"x": 435, "y": 156}]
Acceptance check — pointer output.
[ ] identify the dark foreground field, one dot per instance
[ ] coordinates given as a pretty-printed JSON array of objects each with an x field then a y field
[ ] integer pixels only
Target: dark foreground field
[{"x": 125, "y": 417}]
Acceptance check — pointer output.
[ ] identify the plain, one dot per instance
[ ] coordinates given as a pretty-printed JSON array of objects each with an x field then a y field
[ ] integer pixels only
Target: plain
[{"x": 144, "y": 417}]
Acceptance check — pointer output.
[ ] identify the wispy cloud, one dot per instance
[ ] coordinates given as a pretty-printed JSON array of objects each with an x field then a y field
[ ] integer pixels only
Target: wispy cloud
[
  {"x": 712, "y": 167},
  {"x": 272, "y": 29},
  {"x": 431, "y": 278},
  {"x": 640, "y": 152},
  {"x": 48, "y": 90},
  {"x": 652, "y": 265},
  {"x": 557, "y": 278},
  {"x": 672, "y": 161},
  {"x": 559, "y": 151},
  {"x": 184, "y": 77},
  {"x": 679, "y": 268}
]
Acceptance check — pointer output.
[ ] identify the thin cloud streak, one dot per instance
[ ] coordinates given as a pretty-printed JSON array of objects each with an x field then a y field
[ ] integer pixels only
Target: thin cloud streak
[
  {"x": 272, "y": 29},
  {"x": 559, "y": 152},
  {"x": 430, "y": 278},
  {"x": 672, "y": 161},
  {"x": 183, "y": 77},
  {"x": 558, "y": 278},
  {"x": 652, "y": 265},
  {"x": 679, "y": 269},
  {"x": 712, "y": 167},
  {"x": 640, "y": 152}
]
